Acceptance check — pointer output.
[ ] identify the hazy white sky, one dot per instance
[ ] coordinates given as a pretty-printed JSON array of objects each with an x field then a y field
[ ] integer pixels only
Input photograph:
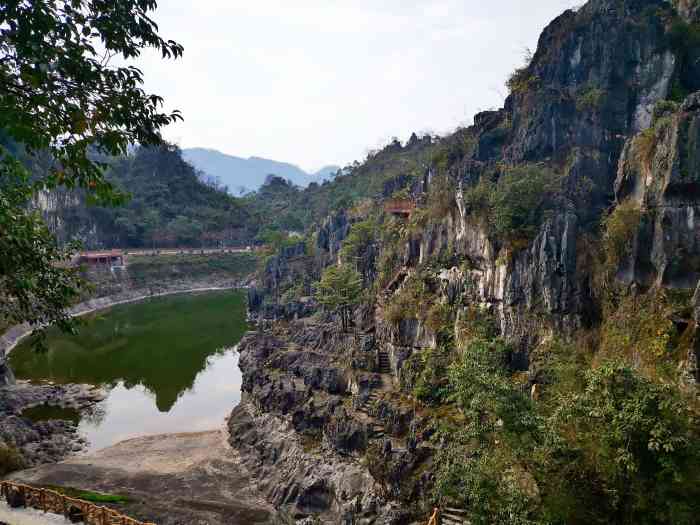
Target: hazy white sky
[{"x": 318, "y": 82}]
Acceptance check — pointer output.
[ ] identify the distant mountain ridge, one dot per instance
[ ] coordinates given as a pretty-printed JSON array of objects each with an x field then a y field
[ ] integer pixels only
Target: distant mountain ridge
[{"x": 242, "y": 175}]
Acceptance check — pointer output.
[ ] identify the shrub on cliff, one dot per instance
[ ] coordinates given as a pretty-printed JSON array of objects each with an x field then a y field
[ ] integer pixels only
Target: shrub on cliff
[
  {"x": 590, "y": 99},
  {"x": 619, "y": 230},
  {"x": 603, "y": 445},
  {"x": 441, "y": 198},
  {"x": 361, "y": 235},
  {"x": 481, "y": 465},
  {"x": 339, "y": 290},
  {"x": 631, "y": 445},
  {"x": 522, "y": 79},
  {"x": 10, "y": 459},
  {"x": 517, "y": 203}
]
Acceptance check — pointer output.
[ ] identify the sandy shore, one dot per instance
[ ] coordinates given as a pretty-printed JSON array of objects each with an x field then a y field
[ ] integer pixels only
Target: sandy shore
[{"x": 170, "y": 479}]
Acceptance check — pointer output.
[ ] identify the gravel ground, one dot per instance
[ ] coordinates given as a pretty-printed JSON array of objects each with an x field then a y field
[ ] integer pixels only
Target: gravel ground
[
  {"x": 170, "y": 479},
  {"x": 28, "y": 517}
]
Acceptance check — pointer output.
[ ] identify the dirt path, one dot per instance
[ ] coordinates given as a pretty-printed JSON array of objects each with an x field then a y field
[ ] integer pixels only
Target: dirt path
[{"x": 170, "y": 479}]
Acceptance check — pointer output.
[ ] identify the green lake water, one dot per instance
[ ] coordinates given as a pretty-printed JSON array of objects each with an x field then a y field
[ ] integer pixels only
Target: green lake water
[{"x": 169, "y": 364}]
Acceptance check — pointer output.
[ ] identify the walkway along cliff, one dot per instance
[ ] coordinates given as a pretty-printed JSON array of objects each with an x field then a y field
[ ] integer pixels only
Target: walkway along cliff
[{"x": 551, "y": 254}]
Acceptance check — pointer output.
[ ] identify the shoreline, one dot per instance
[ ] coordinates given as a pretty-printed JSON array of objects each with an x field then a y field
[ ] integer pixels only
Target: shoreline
[
  {"x": 52, "y": 441},
  {"x": 15, "y": 334}
]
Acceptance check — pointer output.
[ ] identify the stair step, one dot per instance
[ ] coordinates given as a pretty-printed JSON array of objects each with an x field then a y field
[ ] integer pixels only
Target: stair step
[{"x": 454, "y": 510}]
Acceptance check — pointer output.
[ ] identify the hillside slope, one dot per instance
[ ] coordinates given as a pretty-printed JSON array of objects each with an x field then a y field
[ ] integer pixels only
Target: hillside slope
[
  {"x": 169, "y": 205},
  {"x": 526, "y": 346}
]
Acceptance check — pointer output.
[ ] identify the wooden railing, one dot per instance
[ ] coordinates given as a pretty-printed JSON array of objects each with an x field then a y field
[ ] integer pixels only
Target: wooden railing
[
  {"x": 56, "y": 503},
  {"x": 434, "y": 518}
]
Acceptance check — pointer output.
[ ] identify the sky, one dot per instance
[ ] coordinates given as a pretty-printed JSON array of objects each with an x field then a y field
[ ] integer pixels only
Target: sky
[{"x": 318, "y": 82}]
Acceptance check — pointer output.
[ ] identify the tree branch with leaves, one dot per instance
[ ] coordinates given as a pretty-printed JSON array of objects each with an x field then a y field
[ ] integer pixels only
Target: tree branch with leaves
[
  {"x": 340, "y": 290},
  {"x": 60, "y": 95}
]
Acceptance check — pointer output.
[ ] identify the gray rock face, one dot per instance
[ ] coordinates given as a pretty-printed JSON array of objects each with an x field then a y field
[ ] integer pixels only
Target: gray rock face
[
  {"x": 302, "y": 480},
  {"x": 661, "y": 174},
  {"x": 44, "y": 441},
  {"x": 331, "y": 234},
  {"x": 592, "y": 90},
  {"x": 302, "y": 433},
  {"x": 6, "y": 376}
]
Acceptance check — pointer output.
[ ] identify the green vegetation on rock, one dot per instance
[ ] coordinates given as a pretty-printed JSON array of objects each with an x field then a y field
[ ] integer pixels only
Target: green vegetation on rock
[
  {"x": 62, "y": 100},
  {"x": 515, "y": 205},
  {"x": 88, "y": 495},
  {"x": 339, "y": 290}
]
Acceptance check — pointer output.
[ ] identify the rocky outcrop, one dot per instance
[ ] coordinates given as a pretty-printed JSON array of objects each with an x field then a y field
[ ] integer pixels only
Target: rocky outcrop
[
  {"x": 44, "y": 441},
  {"x": 330, "y": 236},
  {"x": 6, "y": 376},
  {"x": 298, "y": 433},
  {"x": 300, "y": 482},
  {"x": 660, "y": 172}
]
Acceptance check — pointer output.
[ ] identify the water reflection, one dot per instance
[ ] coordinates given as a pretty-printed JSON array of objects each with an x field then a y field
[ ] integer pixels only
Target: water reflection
[
  {"x": 131, "y": 412},
  {"x": 163, "y": 361}
]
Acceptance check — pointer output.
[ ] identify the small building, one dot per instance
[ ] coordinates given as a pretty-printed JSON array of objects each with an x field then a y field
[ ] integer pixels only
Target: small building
[
  {"x": 400, "y": 207},
  {"x": 102, "y": 258}
]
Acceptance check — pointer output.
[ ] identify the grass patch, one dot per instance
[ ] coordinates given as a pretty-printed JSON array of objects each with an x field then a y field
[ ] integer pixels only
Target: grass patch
[
  {"x": 150, "y": 268},
  {"x": 590, "y": 99},
  {"x": 89, "y": 495},
  {"x": 517, "y": 203}
]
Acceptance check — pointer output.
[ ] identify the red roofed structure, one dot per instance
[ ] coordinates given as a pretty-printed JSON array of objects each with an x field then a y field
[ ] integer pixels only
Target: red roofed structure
[
  {"x": 102, "y": 258},
  {"x": 400, "y": 207}
]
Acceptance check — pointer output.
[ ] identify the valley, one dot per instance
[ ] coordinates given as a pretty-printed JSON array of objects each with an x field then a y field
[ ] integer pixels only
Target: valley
[{"x": 497, "y": 325}]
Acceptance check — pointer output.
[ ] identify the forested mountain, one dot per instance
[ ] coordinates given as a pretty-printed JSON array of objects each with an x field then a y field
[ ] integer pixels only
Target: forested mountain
[
  {"x": 169, "y": 205},
  {"x": 244, "y": 175},
  {"x": 283, "y": 206}
]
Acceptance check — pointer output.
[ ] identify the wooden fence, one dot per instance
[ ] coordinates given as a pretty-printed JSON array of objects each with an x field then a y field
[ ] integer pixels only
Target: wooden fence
[{"x": 56, "y": 503}]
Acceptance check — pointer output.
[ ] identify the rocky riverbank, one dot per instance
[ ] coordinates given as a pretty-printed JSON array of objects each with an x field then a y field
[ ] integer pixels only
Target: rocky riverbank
[
  {"x": 48, "y": 441},
  {"x": 313, "y": 430}
]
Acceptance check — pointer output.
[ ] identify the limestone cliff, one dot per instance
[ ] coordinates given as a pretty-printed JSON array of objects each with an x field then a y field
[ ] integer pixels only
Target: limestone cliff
[{"x": 609, "y": 108}]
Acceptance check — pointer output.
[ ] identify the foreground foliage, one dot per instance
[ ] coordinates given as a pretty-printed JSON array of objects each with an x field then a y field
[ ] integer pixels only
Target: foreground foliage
[
  {"x": 604, "y": 445},
  {"x": 60, "y": 96},
  {"x": 35, "y": 285}
]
